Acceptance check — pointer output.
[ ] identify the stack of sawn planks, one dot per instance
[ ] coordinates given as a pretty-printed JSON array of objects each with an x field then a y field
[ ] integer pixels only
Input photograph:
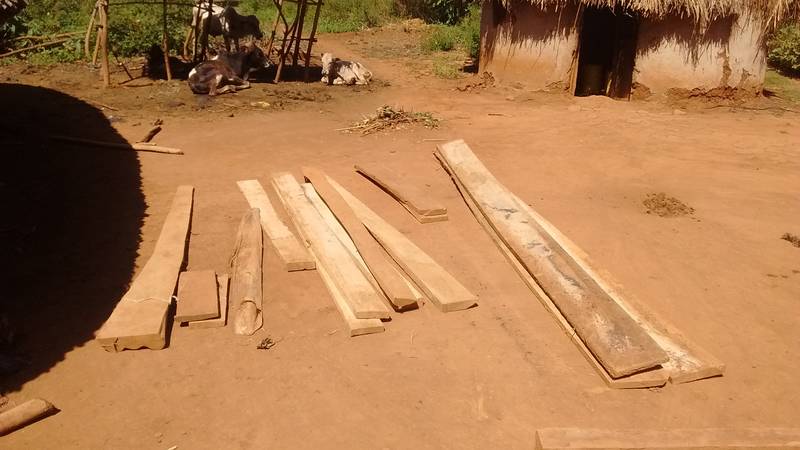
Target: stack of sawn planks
[{"x": 627, "y": 348}]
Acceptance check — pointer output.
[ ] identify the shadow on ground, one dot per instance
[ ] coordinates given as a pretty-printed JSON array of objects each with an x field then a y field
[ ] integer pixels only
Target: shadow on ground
[{"x": 69, "y": 229}]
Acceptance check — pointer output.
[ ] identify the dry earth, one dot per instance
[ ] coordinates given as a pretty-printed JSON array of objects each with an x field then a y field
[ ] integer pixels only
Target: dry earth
[{"x": 78, "y": 224}]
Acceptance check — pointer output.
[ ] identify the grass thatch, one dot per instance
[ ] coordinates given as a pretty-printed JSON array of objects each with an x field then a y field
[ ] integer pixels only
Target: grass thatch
[{"x": 771, "y": 11}]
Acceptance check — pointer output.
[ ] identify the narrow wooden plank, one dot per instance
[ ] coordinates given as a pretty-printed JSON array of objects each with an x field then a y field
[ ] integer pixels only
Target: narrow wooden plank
[
  {"x": 616, "y": 340},
  {"x": 140, "y": 318},
  {"x": 415, "y": 200},
  {"x": 687, "y": 361},
  {"x": 197, "y": 296},
  {"x": 647, "y": 379},
  {"x": 364, "y": 301},
  {"x": 676, "y": 439},
  {"x": 437, "y": 284},
  {"x": 247, "y": 293},
  {"x": 389, "y": 281},
  {"x": 222, "y": 320},
  {"x": 293, "y": 254}
]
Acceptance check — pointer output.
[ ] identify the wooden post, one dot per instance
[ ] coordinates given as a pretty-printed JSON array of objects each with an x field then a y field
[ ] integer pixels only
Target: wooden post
[
  {"x": 311, "y": 40},
  {"x": 104, "y": 69},
  {"x": 301, "y": 4},
  {"x": 166, "y": 42},
  {"x": 89, "y": 29}
]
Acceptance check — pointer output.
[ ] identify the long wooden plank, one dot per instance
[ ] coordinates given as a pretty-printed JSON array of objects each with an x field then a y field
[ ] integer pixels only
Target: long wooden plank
[
  {"x": 197, "y": 296},
  {"x": 364, "y": 301},
  {"x": 222, "y": 320},
  {"x": 247, "y": 293},
  {"x": 389, "y": 281},
  {"x": 676, "y": 439},
  {"x": 293, "y": 254},
  {"x": 140, "y": 318},
  {"x": 647, "y": 379},
  {"x": 687, "y": 361},
  {"x": 437, "y": 284},
  {"x": 413, "y": 199},
  {"x": 616, "y": 340},
  {"x": 348, "y": 244}
]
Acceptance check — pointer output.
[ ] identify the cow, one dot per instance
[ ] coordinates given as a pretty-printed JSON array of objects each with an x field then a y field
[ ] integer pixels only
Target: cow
[
  {"x": 227, "y": 72},
  {"x": 225, "y": 22},
  {"x": 337, "y": 71}
]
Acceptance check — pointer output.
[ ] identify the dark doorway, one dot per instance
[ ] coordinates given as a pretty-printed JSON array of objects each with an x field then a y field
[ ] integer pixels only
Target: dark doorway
[{"x": 607, "y": 52}]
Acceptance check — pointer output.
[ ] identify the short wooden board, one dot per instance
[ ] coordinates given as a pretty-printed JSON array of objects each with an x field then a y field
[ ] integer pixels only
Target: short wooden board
[
  {"x": 293, "y": 254},
  {"x": 675, "y": 439},
  {"x": 197, "y": 296},
  {"x": 437, "y": 284},
  {"x": 140, "y": 318},
  {"x": 412, "y": 197},
  {"x": 222, "y": 286}
]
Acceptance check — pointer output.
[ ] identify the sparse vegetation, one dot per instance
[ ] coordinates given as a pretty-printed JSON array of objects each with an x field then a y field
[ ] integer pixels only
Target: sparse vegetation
[
  {"x": 784, "y": 87},
  {"x": 784, "y": 49},
  {"x": 465, "y": 35},
  {"x": 792, "y": 239},
  {"x": 392, "y": 118}
]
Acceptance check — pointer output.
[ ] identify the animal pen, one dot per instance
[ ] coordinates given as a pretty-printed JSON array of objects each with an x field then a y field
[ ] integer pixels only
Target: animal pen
[{"x": 286, "y": 38}]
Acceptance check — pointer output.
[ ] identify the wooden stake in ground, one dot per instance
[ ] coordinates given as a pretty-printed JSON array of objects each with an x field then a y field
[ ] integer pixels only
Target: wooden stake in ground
[
  {"x": 25, "y": 414},
  {"x": 103, "y": 36},
  {"x": 151, "y": 133},
  {"x": 139, "y": 319},
  {"x": 246, "y": 294},
  {"x": 415, "y": 200},
  {"x": 616, "y": 340},
  {"x": 389, "y": 280},
  {"x": 166, "y": 41}
]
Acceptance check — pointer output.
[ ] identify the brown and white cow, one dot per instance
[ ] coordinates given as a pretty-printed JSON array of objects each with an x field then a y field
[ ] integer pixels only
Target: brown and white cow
[
  {"x": 337, "y": 71},
  {"x": 225, "y": 22},
  {"x": 227, "y": 72}
]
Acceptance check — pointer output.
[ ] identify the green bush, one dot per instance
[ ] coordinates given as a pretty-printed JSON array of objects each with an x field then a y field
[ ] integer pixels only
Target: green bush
[
  {"x": 133, "y": 29},
  {"x": 336, "y": 16},
  {"x": 465, "y": 35},
  {"x": 448, "y": 12},
  {"x": 784, "y": 48}
]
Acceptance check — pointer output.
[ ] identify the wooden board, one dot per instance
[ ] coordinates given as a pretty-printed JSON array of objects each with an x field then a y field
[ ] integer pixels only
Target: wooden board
[
  {"x": 647, "y": 379},
  {"x": 293, "y": 254},
  {"x": 247, "y": 294},
  {"x": 687, "y": 361},
  {"x": 676, "y": 439},
  {"x": 362, "y": 298},
  {"x": 197, "y": 296},
  {"x": 413, "y": 198},
  {"x": 222, "y": 295},
  {"x": 140, "y": 318},
  {"x": 389, "y": 281},
  {"x": 614, "y": 338},
  {"x": 348, "y": 244},
  {"x": 437, "y": 284}
]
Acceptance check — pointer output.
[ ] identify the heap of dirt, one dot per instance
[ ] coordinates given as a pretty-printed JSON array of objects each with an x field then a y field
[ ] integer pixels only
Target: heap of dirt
[
  {"x": 484, "y": 80},
  {"x": 663, "y": 206}
]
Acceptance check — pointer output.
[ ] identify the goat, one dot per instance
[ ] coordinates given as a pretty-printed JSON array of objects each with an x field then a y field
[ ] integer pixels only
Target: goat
[
  {"x": 225, "y": 22},
  {"x": 337, "y": 71},
  {"x": 227, "y": 72}
]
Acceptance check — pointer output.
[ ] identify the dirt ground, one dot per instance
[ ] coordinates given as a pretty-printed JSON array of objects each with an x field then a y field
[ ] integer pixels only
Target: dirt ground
[{"x": 81, "y": 223}]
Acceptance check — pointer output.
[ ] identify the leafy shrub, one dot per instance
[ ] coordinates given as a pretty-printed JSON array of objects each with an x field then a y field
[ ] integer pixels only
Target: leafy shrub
[
  {"x": 448, "y": 12},
  {"x": 465, "y": 35},
  {"x": 132, "y": 29},
  {"x": 784, "y": 48}
]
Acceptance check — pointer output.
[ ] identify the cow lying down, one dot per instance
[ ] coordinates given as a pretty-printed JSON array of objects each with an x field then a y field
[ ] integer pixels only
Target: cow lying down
[
  {"x": 227, "y": 72},
  {"x": 337, "y": 71}
]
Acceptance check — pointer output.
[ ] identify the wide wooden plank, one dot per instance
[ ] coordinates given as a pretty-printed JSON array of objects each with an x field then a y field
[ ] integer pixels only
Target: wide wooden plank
[
  {"x": 293, "y": 254},
  {"x": 687, "y": 361},
  {"x": 247, "y": 294},
  {"x": 222, "y": 294},
  {"x": 676, "y": 439},
  {"x": 436, "y": 283},
  {"x": 140, "y": 318},
  {"x": 197, "y": 296},
  {"x": 389, "y": 280},
  {"x": 414, "y": 199},
  {"x": 360, "y": 295},
  {"x": 616, "y": 340}
]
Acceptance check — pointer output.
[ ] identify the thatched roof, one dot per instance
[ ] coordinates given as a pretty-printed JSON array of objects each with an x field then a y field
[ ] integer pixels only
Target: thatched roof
[
  {"x": 9, "y": 8},
  {"x": 701, "y": 10}
]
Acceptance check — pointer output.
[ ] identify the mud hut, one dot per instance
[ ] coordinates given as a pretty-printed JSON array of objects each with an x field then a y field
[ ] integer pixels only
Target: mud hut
[{"x": 623, "y": 47}]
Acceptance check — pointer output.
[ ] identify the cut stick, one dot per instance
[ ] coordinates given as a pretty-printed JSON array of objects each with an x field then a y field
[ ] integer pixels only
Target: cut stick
[
  {"x": 437, "y": 284},
  {"x": 293, "y": 254},
  {"x": 151, "y": 134},
  {"x": 413, "y": 199},
  {"x": 621, "y": 345},
  {"x": 197, "y": 296},
  {"x": 140, "y": 318},
  {"x": 222, "y": 285},
  {"x": 246, "y": 284},
  {"x": 139, "y": 147},
  {"x": 25, "y": 414},
  {"x": 345, "y": 239},
  {"x": 648, "y": 379},
  {"x": 676, "y": 439},
  {"x": 687, "y": 361},
  {"x": 362, "y": 298},
  {"x": 390, "y": 282}
]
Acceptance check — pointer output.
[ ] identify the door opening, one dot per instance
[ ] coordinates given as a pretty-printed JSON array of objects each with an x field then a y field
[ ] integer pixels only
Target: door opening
[{"x": 607, "y": 53}]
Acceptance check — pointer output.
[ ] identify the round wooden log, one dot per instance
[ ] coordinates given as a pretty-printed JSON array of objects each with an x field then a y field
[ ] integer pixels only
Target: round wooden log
[{"x": 25, "y": 414}]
